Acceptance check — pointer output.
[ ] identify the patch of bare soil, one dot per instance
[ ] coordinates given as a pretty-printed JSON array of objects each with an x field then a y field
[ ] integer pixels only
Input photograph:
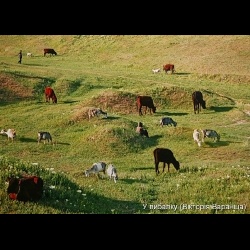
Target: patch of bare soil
[
  {"x": 125, "y": 103},
  {"x": 11, "y": 90}
]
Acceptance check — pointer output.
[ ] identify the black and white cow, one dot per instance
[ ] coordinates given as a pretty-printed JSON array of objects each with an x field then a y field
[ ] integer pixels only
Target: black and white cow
[
  {"x": 140, "y": 130},
  {"x": 112, "y": 172},
  {"x": 92, "y": 112},
  {"x": 45, "y": 136},
  {"x": 167, "y": 121},
  {"x": 210, "y": 133},
  {"x": 96, "y": 168}
]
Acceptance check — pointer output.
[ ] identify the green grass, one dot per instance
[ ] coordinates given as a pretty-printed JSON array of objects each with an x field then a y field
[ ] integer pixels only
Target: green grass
[{"x": 109, "y": 72}]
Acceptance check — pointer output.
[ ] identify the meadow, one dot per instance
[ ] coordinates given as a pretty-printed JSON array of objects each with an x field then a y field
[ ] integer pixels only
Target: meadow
[{"x": 109, "y": 71}]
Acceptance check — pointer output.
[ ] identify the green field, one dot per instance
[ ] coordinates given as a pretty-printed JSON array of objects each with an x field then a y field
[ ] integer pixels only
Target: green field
[{"x": 109, "y": 71}]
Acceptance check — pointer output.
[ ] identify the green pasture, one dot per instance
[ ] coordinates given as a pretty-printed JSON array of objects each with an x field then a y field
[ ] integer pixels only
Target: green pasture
[{"x": 109, "y": 72}]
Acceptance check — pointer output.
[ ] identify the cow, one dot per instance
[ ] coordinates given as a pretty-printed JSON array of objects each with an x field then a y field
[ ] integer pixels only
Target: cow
[
  {"x": 45, "y": 136},
  {"x": 164, "y": 155},
  {"x": 49, "y": 51},
  {"x": 198, "y": 101},
  {"x": 169, "y": 67},
  {"x": 197, "y": 137},
  {"x": 11, "y": 133},
  {"x": 29, "y": 54},
  {"x": 146, "y": 101},
  {"x": 156, "y": 71},
  {"x": 140, "y": 130},
  {"x": 92, "y": 112},
  {"x": 210, "y": 133},
  {"x": 50, "y": 94},
  {"x": 112, "y": 172},
  {"x": 96, "y": 168},
  {"x": 167, "y": 121},
  {"x": 26, "y": 188}
]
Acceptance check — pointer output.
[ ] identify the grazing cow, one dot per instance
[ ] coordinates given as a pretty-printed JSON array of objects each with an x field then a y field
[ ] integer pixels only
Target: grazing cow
[
  {"x": 92, "y": 112},
  {"x": 198, "y": 101},
  {"x": 156, "y": 70},
  {"x": 112, "y": 172},
  {"x": 29, "y": 54},
  {"x": 209, "y": 133},
  {"x": 50, "y": 94},
  {"x": 139, "y": 129},
  {"x": 167, "y": 121},
  {"x": 164, "y": 155},
  {"x": 96, "y": 168},
  {"x": 49, "y": 51},
  {"x": 11, "y": 133},
  {"x": 197, "y": 137},
  {"x": 26, "y": 188},
  {"x": 46, "y": 136},
  {"x": 169, "y": 67},
  {"x": 146, "y": 101}
]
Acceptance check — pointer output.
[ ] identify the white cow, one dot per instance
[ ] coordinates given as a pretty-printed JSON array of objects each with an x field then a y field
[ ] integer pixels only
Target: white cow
[
  {"x": 11, "y": 133},
  {"x": 156, "y": 70},
  {"x": 29, "y": 54},
  {"x": 197, "y": 137}
]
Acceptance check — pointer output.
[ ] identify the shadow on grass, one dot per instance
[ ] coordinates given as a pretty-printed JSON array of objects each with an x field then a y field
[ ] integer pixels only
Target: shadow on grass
[
  {"x": 138, "y": 168},
  {"x": 181, "y": 73},
  {"x": 111, "y": 118},
  {"x": 221, "y": 109},
  {"x": 152, "y": 141},
  {"x": 24, "y": 139},
  {"x": 68, "y": 101},
  {"x": 213, "y": 144},
  {"x": 62, "y": 143},
  {"x": 68, "y": 197},
  {"x": 170, "y": 114}
]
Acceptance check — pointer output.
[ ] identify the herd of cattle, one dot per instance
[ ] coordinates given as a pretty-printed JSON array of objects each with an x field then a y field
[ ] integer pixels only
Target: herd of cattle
[{"x": 30, "y": 188}]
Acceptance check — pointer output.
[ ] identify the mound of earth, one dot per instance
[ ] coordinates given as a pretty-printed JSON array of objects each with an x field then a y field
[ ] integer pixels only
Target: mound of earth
[{"x": 11, "y": 90}]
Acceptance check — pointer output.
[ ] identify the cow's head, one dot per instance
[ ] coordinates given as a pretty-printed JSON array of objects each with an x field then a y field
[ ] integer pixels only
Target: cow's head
[
  {"x": 203, "y": 104},
  {"x": 154, "y": 109},
  {"x": 13, "y": 184}
]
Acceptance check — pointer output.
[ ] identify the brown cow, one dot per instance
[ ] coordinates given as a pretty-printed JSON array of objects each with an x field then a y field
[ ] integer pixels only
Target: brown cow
[
  {"x": 198, "y": 101},
  {"x": 49, "y": 51},
  {"x": 50, "y": 94},
  {"x": 164, "y": 155},
  {"x": 26, "y": 188},
  {"x": 146, "y": 101},
  {"x": 169, "y": 67}
]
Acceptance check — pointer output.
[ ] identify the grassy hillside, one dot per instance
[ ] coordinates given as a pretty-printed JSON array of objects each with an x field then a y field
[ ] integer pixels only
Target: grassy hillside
[{"x": 109, "y": 72}]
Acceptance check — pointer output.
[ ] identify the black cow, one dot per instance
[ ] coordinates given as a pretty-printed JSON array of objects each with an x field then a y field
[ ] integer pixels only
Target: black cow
[
  {"x": 49, "y": 51},
  {"x": 198, "y": 101},
  {"x": 164, "y": 155},
  {"x": 27, "y": 188},
  {"x": 146, "y": 101}
]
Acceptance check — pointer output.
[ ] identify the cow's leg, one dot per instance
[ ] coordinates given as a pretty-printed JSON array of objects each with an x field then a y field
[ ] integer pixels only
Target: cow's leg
[
  {"x": 164, "y": 165},
  {"x": 140, "y": 112},
  {"x": 157, "y": 167},
  {"x": 168, "y": 166}
]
